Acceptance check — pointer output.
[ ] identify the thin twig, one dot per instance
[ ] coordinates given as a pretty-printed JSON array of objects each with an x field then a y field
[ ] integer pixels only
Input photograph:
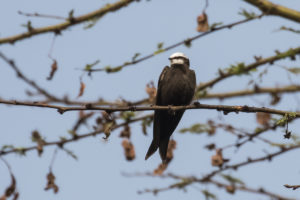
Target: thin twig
[
  {"x": 41, "y": 15},
  {"x": 206, "y": 5},
  {"x": 53, "y": 159},
  {"x": 192, "y": 179},
  {"x": 255, "y": 91},
  {"x": 184, "y": 42},
  {"x": 60, "y": 143},
  {"x": 244, "y": 188},
  {"x": 294, "y": 187},
  {"x": 7, "y": 165},
  {"x": 186, "y": 181},
  {"x": 25, "y": 79},
  {"x": 247, "y": 162}
]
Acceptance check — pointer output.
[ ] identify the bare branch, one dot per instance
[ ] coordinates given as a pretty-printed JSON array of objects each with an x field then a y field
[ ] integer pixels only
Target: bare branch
[
  {"x": 292, "y": 52},
  {"x": 184, "y": 42},
  {"x": 70, "y": 22},
  {"x": 186, "y": 181},
  {"x": 231, "y": 188},
  {"x": 250, "y": 137},
  {"x": 250, "y": 190},
  {"x": 62, "y": 142},
  {"x": 225, "y": 108},
  {"x": 145, "y": 101},
  {"x": 248, "y": 161},
  {"x": 255, "y": 91},
  {"x": 276, "y": 9},
  {"x": 294, "y": 187},
  {"x": 20, "y": 75}
]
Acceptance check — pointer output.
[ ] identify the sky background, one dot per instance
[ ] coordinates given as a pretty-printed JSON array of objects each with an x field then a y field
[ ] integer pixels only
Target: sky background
[{"x": 115, "y": 39}]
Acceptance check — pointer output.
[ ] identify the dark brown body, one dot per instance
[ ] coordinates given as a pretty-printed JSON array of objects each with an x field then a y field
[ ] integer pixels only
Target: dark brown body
[{"x": 176, "y": 86}]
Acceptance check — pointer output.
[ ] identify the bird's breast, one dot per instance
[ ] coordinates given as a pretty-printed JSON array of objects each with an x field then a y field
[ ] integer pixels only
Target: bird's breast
[{"x": 177, "y": 90}]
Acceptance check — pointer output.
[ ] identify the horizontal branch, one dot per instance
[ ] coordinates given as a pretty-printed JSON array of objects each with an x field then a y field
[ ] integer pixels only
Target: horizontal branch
[
  {"x": 276, "y": 9},
  {"x": 244, "y": 69},
  {"x": 255, "y": 91},
  {"x": 240, "y": 93},
  {"x": 70, "y": 22},
  {"x": 225, "y": 108}
]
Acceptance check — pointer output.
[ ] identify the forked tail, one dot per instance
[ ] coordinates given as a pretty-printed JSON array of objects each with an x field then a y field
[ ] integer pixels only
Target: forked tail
[
  {"x": 153, "y": 147},
  {"x": 163, "y": 149}
]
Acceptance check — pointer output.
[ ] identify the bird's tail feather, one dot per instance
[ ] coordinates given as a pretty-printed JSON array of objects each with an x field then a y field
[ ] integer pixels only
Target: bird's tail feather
[
  {"x": 163, "y": 149},
  {"x": 153, "y": 147}
]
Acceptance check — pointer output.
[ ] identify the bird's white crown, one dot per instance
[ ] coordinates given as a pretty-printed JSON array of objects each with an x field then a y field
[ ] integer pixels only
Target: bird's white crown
[
  {"x": 178, "y": 58},
  {"x": 178, "y": 55}
]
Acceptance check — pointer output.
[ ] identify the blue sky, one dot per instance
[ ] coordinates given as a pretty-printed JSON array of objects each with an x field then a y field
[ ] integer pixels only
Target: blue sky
[{"x": 113, "y": 40}]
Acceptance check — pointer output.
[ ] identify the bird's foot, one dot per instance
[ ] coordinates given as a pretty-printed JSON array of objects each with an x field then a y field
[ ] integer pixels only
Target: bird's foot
[
  {"x": 197, "y": 103},
  {"x": 170, "y": 110}
]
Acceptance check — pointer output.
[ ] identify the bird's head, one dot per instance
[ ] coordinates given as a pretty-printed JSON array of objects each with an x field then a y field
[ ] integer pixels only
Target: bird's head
[{"x": 179, "y": 58}]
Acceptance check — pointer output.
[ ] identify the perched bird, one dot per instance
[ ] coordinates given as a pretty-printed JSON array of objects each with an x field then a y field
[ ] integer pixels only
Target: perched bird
[{"x": 176, "y": 87}]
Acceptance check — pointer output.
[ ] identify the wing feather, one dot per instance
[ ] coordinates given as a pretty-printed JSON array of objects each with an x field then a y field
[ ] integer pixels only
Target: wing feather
[{"x": 157, "y": 115}]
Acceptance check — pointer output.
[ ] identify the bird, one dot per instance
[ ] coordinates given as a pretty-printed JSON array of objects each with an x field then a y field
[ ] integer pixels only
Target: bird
[{"x": 176, "y": 87}]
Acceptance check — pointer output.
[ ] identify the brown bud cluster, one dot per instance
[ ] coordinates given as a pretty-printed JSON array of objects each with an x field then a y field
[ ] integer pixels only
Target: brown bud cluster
[
  {"x": 51, "y": 182},
  {"x": 151, "y": 91},
  {"x": 202, "y": 22},
  {"x": 230, "y": 189},
  {"x": 217, "y": 159},
  {"x": 128, "y": 150}
]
